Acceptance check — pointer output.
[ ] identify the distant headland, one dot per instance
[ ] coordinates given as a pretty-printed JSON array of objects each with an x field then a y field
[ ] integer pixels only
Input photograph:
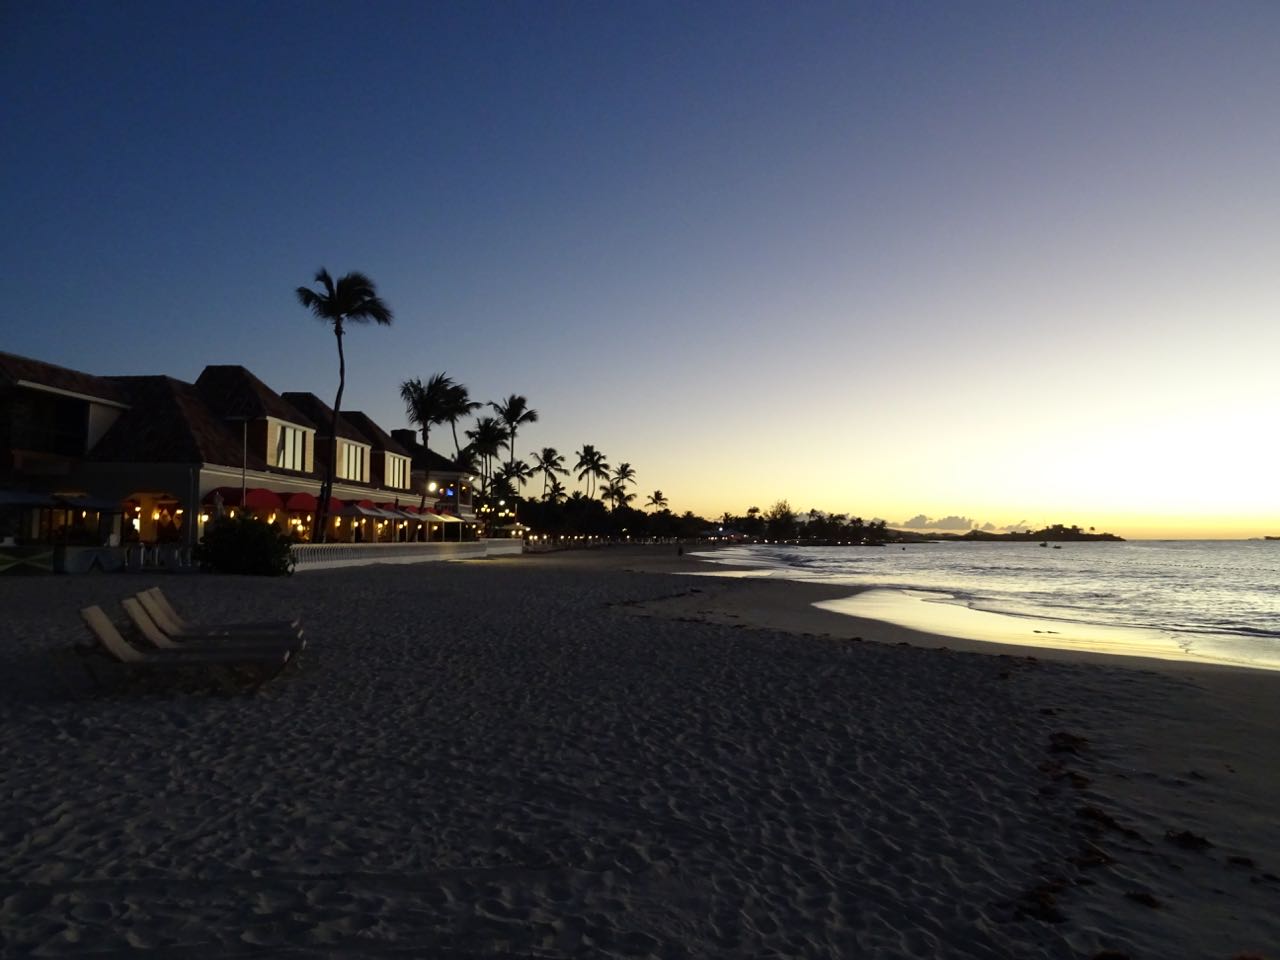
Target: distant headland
[{"x": 1055, "y": 533}]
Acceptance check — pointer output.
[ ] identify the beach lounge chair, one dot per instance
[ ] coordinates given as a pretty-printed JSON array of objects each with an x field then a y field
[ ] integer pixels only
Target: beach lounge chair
[
  {"x": 232, "y": 669},
  {"x": 152, "y": 633},
  {"x": 161, "y": 611}
]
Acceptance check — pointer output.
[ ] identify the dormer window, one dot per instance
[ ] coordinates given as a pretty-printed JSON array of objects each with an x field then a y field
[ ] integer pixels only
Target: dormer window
[
  {"x": 397, "y": 472},
  {"x": 353, "y": 463},
  {"x": 291, "y": 448}
]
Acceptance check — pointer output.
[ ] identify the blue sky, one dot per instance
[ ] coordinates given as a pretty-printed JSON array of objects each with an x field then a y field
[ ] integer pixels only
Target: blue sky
[{"x": 1006, "y": 261}]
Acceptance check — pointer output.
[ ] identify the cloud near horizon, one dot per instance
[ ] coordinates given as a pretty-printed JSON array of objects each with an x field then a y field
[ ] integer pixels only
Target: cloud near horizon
[{"x": 922, "y": 522}]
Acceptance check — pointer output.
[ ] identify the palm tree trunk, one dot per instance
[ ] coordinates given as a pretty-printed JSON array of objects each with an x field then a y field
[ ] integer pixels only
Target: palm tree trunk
[
  {"x": 453, "y": 426},
  {"x": 326, "y": 488},
  {"x": 426, "y": 461}
]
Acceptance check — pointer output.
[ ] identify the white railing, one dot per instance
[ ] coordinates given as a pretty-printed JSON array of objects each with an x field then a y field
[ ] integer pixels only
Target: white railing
[
  {"x": 324, "y": 556},
  {"x": 504, "y": 547}
]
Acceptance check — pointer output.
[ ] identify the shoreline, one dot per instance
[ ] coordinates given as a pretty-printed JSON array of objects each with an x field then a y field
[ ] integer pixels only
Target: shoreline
[{"x": 548, "y": 755}]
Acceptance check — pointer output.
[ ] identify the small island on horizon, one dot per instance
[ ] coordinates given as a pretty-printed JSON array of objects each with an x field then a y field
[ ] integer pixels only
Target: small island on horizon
[{"x": 1054, "y": 533}]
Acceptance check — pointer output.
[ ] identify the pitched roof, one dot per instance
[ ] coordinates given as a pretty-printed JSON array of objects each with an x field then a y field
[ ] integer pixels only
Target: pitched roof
[
  {"x": 170, "y": 422},
  {"x": 378, "y": 438},
  {"x": 232, "y": 391},
  {"x": 15, "y": 369},
  {"x": 421, "y": 457},
  {"x": 316, "y": 411}
]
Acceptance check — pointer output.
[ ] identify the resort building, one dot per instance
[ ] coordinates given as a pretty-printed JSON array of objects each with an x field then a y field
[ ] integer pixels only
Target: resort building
[{"x": 92, "y": 465}]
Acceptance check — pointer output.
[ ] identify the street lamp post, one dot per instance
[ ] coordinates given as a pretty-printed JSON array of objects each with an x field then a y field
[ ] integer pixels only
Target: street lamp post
[{"x": 244, "y": 455}]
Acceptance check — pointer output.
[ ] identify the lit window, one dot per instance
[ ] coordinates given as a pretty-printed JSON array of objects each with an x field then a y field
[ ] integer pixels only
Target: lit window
[
  {"x": 397, "y": 472},
  {"x": 291, "y": 448},
  {"x": 352, "y": 465}
]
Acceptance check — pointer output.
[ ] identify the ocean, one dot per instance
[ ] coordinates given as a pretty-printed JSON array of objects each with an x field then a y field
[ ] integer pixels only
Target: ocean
[{"x": 1209, "y": 600}]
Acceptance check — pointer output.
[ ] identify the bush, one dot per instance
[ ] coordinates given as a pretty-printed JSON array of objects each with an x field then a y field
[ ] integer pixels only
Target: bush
[{"x": 245, "y": 545}]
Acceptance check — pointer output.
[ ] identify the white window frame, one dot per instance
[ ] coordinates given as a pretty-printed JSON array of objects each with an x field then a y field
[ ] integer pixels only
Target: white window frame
[
  {"x": 291, "y": 448},
  {"x": 397, "y": 471},
  {"x": 353, "y": 455}
]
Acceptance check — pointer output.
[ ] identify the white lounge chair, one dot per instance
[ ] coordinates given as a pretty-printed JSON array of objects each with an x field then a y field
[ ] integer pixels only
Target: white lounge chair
[
  {"x": 152, "y": 633},
  {"x": 222, "y": 666},
  {"x": 161, "y": 611}
]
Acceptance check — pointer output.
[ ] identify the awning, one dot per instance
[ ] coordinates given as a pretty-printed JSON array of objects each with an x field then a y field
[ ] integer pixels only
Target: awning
[
  {"x": 307, "y": 502},
  {"x": 370, "y": 512},
  {"x": 24, "y": 498},
  {"x": 255, "y": 498},
  {"x": 445, "y": 518}
]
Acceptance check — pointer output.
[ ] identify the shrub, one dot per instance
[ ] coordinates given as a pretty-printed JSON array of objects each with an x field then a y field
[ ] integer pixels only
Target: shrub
[{"x": 245, "y": 545}]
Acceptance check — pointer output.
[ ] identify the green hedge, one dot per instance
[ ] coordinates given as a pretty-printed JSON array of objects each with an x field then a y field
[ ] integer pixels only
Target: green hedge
[{"x": 245, "y": 545}]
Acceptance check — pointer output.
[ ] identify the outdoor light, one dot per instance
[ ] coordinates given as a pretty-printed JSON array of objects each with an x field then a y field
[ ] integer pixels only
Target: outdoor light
[
  {"x": 155, "y": 514},
  {"x": 431, "y": 487},
  {"x": 204, "y": 518},
  {"x": 178, "y": 511}
]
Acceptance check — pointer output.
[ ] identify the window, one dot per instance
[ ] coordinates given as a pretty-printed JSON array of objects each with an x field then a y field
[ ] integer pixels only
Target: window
[
  {"x": 352, "y": 465},
  {"x": 397, "y": 472},
  {"x": 291, "y": 448}
]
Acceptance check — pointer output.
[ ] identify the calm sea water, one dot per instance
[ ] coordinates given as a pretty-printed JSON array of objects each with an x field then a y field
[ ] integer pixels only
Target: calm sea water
[{"x": 1219, "y": 600}]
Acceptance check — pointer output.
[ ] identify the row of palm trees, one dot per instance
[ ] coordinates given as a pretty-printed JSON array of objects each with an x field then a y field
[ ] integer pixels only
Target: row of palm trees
[{"x": 353, "y": 298}]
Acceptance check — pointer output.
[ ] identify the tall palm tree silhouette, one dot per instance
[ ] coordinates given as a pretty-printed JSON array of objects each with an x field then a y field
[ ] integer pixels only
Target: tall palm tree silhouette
[
  {"x": 513, "y": 412},
  {"x": 353, "y": 299},
  {"x": 591, "y": 466},
  {"x": 486, "y": 440},
  {"x": 657, "y": 500},
  {"x": 458, "y": 404},
  {"x": 549, "y": 462},
  {"x": 516, "y": 472},
  {"x": 426, "y": 404},
  {"x": 624, "y": 473},
  {"x": 615, "y": 491}
]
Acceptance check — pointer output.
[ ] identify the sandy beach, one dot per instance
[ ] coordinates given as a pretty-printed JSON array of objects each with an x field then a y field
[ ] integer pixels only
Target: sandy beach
[{"x": 580, "y": 754}]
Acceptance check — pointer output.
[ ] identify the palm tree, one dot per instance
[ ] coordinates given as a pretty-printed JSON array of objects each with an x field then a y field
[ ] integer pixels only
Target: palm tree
[
  {"x": 427, "y": 404},
  {"x": 486, "y": 440},
  {"x": 625, "y": 473},
  {"x": 556, "y": 493},
  {"x": 513, "y": 412},
  {"x": 657, "y": 501},
  {"x": 549, "y": 462},
  {"x": 615, "y": 491},
  {"x": 516, "y": 471},
  {"x": 591, "y": 466},
  {"x": 458, "y": 404},
  {"x": 353, "y": 299}
]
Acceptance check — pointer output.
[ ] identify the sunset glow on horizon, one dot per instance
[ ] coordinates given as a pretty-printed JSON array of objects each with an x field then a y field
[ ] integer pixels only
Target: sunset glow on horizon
[{"x": 1015, "y": 265}]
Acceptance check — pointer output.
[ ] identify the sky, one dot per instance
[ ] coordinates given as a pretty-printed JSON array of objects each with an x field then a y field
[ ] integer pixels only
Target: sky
[{"x": 1013, "y": 263}]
